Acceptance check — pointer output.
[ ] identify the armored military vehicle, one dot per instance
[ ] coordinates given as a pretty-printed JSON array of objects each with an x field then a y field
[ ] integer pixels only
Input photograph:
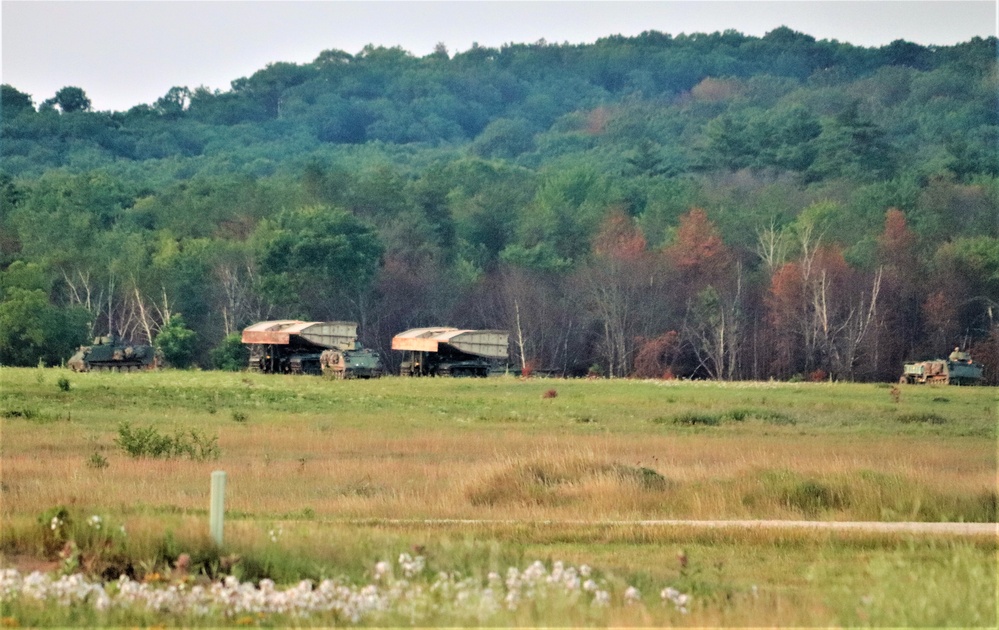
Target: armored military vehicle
[
  {"x": 295, "y": 347},
  {"x": 359, "y": 362},
  {"x": 452, "y": 352},
  {"x": 109, "y": 354},
  {"x": 957, "y": 369}
]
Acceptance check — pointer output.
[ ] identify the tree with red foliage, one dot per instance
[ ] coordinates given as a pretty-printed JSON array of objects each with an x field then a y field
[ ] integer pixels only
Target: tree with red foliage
[
  {"x": 825, "y": 309},
  {"x": 711, "y": 287},
  {"x": 698, "y": 253},
  {"x": 622, "y": 288},
  {"x": 786, "y": 307},
  {"x": 899, "y": 320},
  {"x": 619, "y": 238},
  {"x": 655, "y": 357},
  {"x": 986, "y": 352}
]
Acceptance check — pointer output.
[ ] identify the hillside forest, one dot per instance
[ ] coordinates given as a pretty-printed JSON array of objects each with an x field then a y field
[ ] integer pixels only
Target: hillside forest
[{"x": 694, "y": 206}]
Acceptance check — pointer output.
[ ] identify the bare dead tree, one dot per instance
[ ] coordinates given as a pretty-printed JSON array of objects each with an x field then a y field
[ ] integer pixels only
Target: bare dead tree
[
  {"x": 713, "y": 329},
  {"x": 843, "y": 322},
  {"x": 235, "y": 282},
  {"x": 147, "y": 315},
  {"x": 772, "y": 246}
]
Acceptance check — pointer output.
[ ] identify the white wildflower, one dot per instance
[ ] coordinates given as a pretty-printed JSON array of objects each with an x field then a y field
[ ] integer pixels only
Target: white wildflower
[
  {"x": 632, "y": 595},
  {"x": 417, "y": 601},
  {"x": 678, "y": 599}
]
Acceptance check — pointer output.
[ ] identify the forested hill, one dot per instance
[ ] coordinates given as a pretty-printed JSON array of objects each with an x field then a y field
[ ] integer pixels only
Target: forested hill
[{"x": 701, "y": 205}]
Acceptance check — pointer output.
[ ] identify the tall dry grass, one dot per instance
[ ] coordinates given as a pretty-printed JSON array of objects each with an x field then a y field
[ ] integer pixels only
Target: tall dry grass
[
  {"x": 290, "y": 471},
  {"x": 496, "y": 448}
]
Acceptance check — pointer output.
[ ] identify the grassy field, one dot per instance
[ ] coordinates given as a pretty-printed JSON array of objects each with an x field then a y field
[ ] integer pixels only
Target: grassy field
[{"x": 327, "y": 478}]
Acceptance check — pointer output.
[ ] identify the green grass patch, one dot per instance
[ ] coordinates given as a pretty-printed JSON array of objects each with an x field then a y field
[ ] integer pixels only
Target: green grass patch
[
  {"x": 924, "y": 418},
  {"x": 321, "y": 472}
]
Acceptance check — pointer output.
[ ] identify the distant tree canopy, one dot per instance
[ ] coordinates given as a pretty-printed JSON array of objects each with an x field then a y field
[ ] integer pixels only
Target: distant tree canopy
[
  {"x": 703, "y": 205},
  {"x": 68, "y": 100}
]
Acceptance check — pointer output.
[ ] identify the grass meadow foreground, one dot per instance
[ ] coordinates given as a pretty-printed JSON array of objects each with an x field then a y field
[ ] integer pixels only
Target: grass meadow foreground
[{"x": 488, "y": 502}]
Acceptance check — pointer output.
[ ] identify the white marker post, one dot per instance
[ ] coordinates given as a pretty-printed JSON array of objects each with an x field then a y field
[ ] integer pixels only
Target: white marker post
[{"x": 218, "y": 506}]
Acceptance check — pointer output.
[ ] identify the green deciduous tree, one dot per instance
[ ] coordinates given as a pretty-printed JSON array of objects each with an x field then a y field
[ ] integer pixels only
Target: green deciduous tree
[
  {"x": 314, "y": 259},
  {"x": 176, "y": 342},
  {"x": 231, "y": 354},
  {"x": 33, "y": 330},
  {"x": 69, "y": 100},
  {"x": 504, "y": 138},
  {"x": 14, "y": 102}
]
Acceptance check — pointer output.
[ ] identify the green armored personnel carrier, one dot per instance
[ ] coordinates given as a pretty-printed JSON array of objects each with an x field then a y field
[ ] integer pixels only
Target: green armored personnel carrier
[
  {"x": 358, "y": 362},
  {"x": 108, "y": 354},
  {"x": 957, "y": 369}
]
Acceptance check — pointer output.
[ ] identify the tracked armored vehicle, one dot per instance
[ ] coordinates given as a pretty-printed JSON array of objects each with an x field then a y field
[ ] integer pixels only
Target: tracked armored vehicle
[
  {"x": 957, "y": 369},
  {"x": 295, "y": 347},
  {"x": 109, "y": 354},
  {"x": 452, "y": 352},
  {"x": 357, "y": 363}
]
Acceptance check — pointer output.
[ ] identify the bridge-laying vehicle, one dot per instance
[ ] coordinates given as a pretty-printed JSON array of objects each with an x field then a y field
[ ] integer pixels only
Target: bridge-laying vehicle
[
  {"x": 290, "y": 346},
  {"x": 452, "y": 352}
]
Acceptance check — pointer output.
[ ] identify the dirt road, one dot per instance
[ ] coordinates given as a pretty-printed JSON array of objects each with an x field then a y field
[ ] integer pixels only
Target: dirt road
[{"x": 958, "y": 529}]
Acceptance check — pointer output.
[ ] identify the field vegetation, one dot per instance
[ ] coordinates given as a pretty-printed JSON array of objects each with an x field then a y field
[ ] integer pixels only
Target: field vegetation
[{"x": 107, "y": 474}]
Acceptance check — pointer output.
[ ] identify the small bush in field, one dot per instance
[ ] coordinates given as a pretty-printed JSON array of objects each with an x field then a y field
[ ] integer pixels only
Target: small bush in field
[
  {"x": 97, "y": 461},
  {"x": 696, "y": 419},
  {"x": 527, "y": 370},
  {"x": 27, "y": 413},
  {"x": 148, "y": 442},
  {"x": 63, "y": 384},
  {"x": 928, "y": 418}
]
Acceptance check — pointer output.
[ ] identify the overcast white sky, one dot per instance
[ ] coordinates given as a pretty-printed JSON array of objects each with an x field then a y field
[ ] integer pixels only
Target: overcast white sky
[{"x": 123, "y": 53}]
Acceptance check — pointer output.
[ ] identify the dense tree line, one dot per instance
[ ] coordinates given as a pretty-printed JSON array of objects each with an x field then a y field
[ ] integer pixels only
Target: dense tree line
[{"x": 717, "y": 206}]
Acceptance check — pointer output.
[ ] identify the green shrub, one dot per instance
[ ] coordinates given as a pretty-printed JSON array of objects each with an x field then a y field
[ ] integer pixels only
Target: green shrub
[
  {"x": 231, "y": 354},
  {"x": 26, "y": 413},
  {"x": 176, "y": 342},
  {"x": 776, "y": 417},
  {"x": 647, "y": 478},
  {"x": 696, "y": 419},
  {"x": 739, "y": 415},
  {"x": 811, "y": 497},
  {"x": 928, "y": 418},
  {"x": 97, "y": 461},
  {"x": 148, "y": 442},
  {"x": 807, "y": 495},
  {"x": 63, "y": 384}
]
